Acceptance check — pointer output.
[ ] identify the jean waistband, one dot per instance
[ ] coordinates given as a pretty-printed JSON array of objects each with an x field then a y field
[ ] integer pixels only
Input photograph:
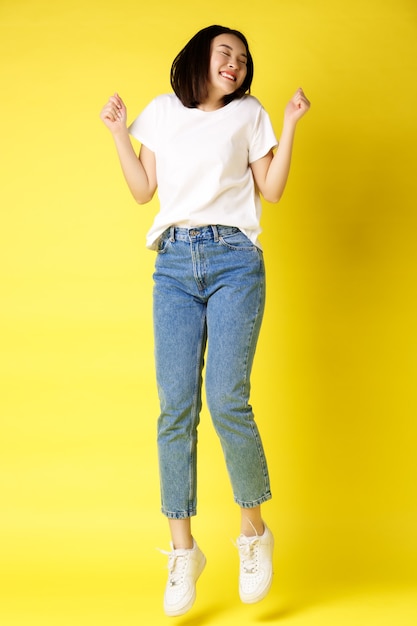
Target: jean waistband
[{"x": 210, "y": 232}]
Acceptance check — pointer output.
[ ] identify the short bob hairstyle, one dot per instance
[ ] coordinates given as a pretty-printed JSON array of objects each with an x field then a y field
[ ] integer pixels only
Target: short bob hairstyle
[{"x": 190, "y": 69}]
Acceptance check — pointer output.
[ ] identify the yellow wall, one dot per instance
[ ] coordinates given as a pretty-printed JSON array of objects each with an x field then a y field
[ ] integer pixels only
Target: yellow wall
[{"x": 334, "y": 386}]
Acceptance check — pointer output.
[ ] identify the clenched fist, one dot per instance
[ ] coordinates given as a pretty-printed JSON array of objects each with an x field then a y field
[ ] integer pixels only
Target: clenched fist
[
  {"x": 297, "y": 106},
  {"x": 114, "y": 114}
]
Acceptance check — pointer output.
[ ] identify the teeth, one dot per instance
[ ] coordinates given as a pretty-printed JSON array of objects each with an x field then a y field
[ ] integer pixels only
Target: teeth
[{"x": 229, "y": 76}]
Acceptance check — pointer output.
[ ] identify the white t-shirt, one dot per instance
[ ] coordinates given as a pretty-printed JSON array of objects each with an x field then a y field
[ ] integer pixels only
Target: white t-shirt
[{"x": 202, "y": 162}]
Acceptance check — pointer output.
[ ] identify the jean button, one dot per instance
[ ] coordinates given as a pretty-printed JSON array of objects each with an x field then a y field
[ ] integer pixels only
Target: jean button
[{"x": 193, "y": 232}]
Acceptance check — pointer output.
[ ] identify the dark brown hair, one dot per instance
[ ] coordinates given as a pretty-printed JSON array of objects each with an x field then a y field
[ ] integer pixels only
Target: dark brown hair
[{"x": 190, "y": 69}]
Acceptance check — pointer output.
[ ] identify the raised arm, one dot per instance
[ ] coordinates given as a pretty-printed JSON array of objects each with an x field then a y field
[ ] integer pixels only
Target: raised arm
[
  {"x": 139, "y": 172},
  {"x": 271, "y": 171}
]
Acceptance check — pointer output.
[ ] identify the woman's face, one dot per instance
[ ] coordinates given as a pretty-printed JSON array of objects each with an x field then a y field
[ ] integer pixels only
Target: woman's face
[{"x": 228, "y": 59}]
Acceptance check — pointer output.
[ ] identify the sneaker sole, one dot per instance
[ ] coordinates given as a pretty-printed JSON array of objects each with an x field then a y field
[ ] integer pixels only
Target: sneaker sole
[{"x": 259, "y": 597}]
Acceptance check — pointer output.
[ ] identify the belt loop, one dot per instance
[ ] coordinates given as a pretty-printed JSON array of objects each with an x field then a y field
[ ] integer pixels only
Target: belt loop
[
  {"x": 172, "y": 233},
  {"x": 215, "y": 233}
]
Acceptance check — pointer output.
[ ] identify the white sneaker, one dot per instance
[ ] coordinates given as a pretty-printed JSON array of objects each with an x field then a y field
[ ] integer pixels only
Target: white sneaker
[
  {"x": 184, "y": 569},
  {"x": 256, "y": 568}
]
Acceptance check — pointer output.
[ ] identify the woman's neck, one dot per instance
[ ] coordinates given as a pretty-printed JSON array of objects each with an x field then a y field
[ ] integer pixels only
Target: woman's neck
[{"x": 211, "y": 104}]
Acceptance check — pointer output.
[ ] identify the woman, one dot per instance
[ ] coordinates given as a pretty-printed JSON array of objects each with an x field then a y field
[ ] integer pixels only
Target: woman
[{"x": 209, "y": 149}]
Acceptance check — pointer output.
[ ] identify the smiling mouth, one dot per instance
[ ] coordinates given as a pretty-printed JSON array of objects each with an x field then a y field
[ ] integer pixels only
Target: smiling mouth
[{"x": 228, "y": 76}]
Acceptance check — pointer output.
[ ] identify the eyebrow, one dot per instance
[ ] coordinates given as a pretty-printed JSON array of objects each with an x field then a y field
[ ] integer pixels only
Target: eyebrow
[{"x": 225, "y": 45}]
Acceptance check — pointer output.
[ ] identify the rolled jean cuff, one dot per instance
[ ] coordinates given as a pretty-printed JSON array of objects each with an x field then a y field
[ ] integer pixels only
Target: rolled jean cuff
[
  {"x": 254, "y": 503},
  {"x": 179, "y": 514}
]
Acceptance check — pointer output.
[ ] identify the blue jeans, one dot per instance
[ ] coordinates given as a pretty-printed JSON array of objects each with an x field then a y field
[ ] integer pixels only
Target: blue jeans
[{"x": 209, "y": 292}]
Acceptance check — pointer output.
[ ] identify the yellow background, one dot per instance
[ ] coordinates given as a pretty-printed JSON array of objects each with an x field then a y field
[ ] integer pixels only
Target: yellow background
[{"x": 334, "y": 385}]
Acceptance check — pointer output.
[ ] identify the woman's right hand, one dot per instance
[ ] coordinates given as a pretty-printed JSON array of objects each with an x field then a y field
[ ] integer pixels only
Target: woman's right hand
[{"x": 114, "y": 114}]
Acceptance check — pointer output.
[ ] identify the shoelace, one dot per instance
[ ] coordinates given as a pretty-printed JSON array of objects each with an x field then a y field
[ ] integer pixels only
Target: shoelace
[
  {"x": 177, "y": 563},
  {"x": 248, "y": 549}
]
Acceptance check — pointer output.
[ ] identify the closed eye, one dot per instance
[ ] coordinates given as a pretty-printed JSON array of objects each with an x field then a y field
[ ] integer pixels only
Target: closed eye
[
  {"x": 227, "y": 54},
  {"x": 225, "y": 50}
]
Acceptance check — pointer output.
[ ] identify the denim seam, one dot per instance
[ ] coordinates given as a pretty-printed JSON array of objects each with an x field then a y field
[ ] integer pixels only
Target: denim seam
[
  {"x": 245, "y": 391},
  {"x": 196, "y": 408}
]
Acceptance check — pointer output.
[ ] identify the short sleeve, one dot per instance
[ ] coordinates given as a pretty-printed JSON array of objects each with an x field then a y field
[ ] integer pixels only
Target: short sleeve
[
  {"x": 263, "y": 136},
  {"x": 144, "y": 127}
]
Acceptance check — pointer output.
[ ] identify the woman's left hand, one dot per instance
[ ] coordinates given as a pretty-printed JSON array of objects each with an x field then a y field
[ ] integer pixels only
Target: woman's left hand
[{"x": 297, "y": 106}]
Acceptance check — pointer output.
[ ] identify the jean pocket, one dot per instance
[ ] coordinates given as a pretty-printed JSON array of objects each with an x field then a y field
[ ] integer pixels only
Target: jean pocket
[
  {"x": 164, "y": 242},
  {"x": 237, "y": 240}
]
